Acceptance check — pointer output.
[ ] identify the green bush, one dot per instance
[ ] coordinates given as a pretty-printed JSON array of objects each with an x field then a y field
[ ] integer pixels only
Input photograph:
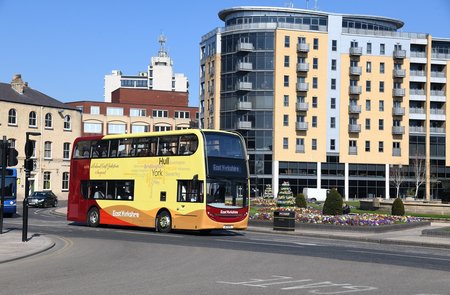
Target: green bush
[
  {"x": 398, "y": 208},
  {"x": 300, "y": 201},
  {"x": 333, "y": 203}
]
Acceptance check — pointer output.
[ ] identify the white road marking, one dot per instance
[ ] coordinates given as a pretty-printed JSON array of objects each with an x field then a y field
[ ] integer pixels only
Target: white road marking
[{"x": 399, "y": 255}]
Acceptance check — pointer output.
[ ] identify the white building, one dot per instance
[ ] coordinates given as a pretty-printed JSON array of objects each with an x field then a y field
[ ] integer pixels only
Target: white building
[{"x": 159, "y": 76}]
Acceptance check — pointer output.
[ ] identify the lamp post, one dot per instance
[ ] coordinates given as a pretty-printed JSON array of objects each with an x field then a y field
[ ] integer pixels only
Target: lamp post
[{"x": 28, "y": 165}]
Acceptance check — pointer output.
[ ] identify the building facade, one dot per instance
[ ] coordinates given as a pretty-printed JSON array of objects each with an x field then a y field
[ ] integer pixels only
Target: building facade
[
  {"x": 159, "y": 76},
  {"x": 137, "y": 110},
  {"x": 22, "y": 110},
  {"x": 329, "y": 100}
]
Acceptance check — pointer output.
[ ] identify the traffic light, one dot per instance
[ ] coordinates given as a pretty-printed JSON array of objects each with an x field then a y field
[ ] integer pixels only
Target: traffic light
[
  {"x": 29, "y": 164},
  {"x": 11, "y": 160}
]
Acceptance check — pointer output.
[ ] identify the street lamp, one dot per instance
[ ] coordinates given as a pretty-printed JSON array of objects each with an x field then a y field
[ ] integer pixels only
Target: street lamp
[{"x": 28, "y": 168}]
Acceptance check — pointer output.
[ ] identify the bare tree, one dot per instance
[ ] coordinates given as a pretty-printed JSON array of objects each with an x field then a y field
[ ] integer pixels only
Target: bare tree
[
  {"x": 397, "y": 176},
  {"x": 418, "y": 165}
]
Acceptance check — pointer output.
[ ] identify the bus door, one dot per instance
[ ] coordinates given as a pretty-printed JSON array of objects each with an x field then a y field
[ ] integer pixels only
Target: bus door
[{"x": 190, "y": 203}]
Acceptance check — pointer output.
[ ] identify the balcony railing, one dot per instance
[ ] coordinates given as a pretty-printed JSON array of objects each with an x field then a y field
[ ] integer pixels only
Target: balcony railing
[
  {"x": 396, "y": 152},
  {"x": 244, "y": 105},
  {"x": 437, "y": 92},
  {"x": 244, "y": 46},
  {"x": 243, "y": 125},
  {"x": 417, "y": 129},
  {"x": 356, "y": 51},
  {"x": 352, "y": 150},
  {"x": 416, "y": 92},
  {"x": 302, "y": 67},
  {"x": 244, "y": 66},
  {"x": 247, "y": 86},
  {"x": 302, "y": 106},
  {"x": 399, "y": 92},
  {"x": 418, "y": 54},
  {"x": 436, "y": 74},
  {"x": 400, "y": 54},
  {"x": 354, "y": 128},
  {"x": 419, "y": 111},
  {"x": 417, "y": 73},
  {"x": 302, "y": 86},
  {"x": 398, "y": 130},
  {"x": 356, "y": 71},
  {"x": 398, "y": 111},
  {"x": 355, "y": 90},
  {"x": 437, "y": 129},
  {"x": 354, "y": 109},
  {"x": 437, "y": 111},
  {"x": 300, "y": 149},
  {"x": 302, "y": 47},
  {"x": 301, "y": 126},
  {"x": 399, "y": 73}
]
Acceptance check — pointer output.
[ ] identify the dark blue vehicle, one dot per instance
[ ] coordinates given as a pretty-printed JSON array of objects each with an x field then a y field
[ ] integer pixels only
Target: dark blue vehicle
[{"x": 9, "y": 205}]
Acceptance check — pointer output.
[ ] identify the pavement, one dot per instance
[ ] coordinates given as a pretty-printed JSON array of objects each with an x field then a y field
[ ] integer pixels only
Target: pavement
[{"x": 12, "y": 248}]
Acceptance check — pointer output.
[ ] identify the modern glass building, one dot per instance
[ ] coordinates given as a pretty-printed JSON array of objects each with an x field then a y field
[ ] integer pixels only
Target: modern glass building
[{"x": 327, "y": 100}]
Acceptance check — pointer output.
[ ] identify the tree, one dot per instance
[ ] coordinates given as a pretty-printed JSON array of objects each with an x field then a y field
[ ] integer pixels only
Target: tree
[
  {"x": 418, "y": 165},
  {"x": 397, "y": 177}
]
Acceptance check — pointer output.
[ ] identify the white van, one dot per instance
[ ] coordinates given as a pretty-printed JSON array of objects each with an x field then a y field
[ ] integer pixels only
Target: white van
[{"x": 315, "y": 194}]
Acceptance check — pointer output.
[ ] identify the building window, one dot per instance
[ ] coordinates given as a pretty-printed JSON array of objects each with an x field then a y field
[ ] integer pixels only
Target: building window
[
  {"x": 67, "y": 123},
  {"x": 287, "y": 41},
  {"x": 314, "y": 121},
  {"x": 12, "y": 117},
  {"x": 161, "y": 128},
  {"x": 381, "y": 86},
  {"x": 137, "y": 128},
  {"x": 367, "y": 124},
  {"x": 114, "y": 111},
  {"x": 47, "y": 184},
  {"x": 66, "y": 151},
  {"x": 48, "y": 120},
  {"x": 333, "y": 83},
  {"x": 315, "y": 83},
  {"x": 380, "y": 124},
  {"x": 333, "y": 103},
  {"x": 380, "y": 146},
  {"x": 333, "y": 65},
  {"x": 369, "y": 48},
  {"x": 368, "y": 86},
  {"x": 286, "y": 61},
  {"x": 315, "y": 63},
  {"x": 333, "y": 122},
  {"x": 368, "y": 67},
  {"x": 382, "y": 49},
  {"x": 381, "y": 106},
  {"x": 381, "y": 67},
  {"x": 32, "y": 119},
  {"x": 160, "y": 114},
  {"x": 285, "y": 143},
  {"x": 12, "y": 143},
  {"x": 92, "y": 128},
  {"x": 286, "y": 101},
  {"x": 285, "y": 120},
  {"x": 116, "y": 128},
  {"x": 315, "y": 43},
  {"x": 47, "y": 150},
  {"x": 286, "y": 81},
  {"x": 182, "y": 114},
  {"x": 368, "y": 106},
  {"x": 367, "y": 146},
  {"x": 332, "y": 144},
  {"x": 314, "y": 102},
  {"x": 333, "y": 45},
  {"x": 65, "y": 181},
  {"x": 95, "y": 110},
  {"x": 138, "y": 112},
  {"x": 314, "y": 144}
]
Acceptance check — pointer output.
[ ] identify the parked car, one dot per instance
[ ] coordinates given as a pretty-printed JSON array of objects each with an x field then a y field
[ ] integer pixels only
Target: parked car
[{"x": 43, "y": 199}]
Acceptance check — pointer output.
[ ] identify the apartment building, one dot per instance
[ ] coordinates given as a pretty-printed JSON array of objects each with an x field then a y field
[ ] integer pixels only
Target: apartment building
[
  {"x": 328, "y": 100},
  {"x": 24, "y": 109}
]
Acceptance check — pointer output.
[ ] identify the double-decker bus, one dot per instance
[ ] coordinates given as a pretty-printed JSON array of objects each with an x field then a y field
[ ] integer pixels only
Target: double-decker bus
[
  {"x": 10, "y": 201},
  {"x": 188, "y": 179}
]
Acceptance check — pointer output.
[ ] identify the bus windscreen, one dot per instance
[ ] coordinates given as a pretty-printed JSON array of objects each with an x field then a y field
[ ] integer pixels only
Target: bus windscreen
[{"x": 223, "y": 145}]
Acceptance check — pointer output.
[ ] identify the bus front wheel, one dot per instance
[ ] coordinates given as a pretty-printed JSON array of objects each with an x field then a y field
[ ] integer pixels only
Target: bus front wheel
[
  {"x": 93, "y": 217},
  {"x": 163, "y": 222}
]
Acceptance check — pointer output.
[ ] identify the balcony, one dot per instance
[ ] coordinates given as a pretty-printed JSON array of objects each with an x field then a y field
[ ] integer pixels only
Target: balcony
[
  {"x": 303, "y": 47},
  {"x": 355, "y": 90},
  {"x": 396, "y": 152},
  {"x": 437, "y": 129},
  {"x": 356, "y": 51},
  {"x": 399, "y": 73},
  {"x": 301, "y": 126},
  {"x": 243, "y": 125},
  {"x": 352, "y": 150},
  {"x": 244, "y": 86},
  {"x": 437, "y": 92},
  {"x": 302, "y": 106},
  {"x": 399, "y": 54},
  {"x": 302, "y": 67},
  {"x": 300, "y": 149},
  {"x": 398, "y": 111},
  {"x": 355, "y": 71},
  {"x": 398, "y": 92},
  {"x": 416, "y": 129},
  {"x": 417, "y": 73},
  {"x": 398, "y": 130},
  {"x": 354, "y": 128},
  {"x": 302, "y": 86},
  {"x": 244, "y": 46},
  {"x": 244, "y": 105},
  {"x": 354, "y": 109},
  {"x": 244, "y": 66}
]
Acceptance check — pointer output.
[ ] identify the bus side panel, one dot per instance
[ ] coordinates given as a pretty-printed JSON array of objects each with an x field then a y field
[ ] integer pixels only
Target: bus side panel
[
  {"x": 77, "y": 206},
  {"x": 126, "y": 215}
]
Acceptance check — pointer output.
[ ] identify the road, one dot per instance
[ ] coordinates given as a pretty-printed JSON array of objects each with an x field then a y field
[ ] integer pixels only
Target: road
[{"x": 111, "y": 260}]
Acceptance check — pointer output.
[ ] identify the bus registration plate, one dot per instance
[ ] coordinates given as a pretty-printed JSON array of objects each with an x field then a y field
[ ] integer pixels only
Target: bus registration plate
[{"x": 228, "y": 227}]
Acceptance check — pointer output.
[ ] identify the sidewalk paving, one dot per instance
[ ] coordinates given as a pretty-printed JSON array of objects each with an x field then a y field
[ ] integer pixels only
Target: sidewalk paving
[{"x": 12, "y": 247}]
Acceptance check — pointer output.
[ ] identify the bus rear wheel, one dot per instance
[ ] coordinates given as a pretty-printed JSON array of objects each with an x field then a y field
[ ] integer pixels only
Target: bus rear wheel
[
  {"x": 93, "y": 217},
  {"x": 164, "y": 222}
]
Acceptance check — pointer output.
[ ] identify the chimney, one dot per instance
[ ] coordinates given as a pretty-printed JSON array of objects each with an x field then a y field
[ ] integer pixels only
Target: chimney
[{"x": 17, "y": 83}]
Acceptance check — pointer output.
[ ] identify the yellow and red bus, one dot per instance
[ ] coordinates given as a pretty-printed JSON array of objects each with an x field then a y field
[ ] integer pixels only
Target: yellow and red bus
[{"x": 188, "y": 179}]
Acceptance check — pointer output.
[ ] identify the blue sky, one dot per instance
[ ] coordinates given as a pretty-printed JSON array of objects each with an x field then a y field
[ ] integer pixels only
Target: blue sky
[{"x": 64, "y": 48}]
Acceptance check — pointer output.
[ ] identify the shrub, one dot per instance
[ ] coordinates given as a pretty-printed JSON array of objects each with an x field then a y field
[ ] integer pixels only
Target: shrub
[
  {"x": 333, "y": 203},
  {"x": 398, "y": 208},
  {"x": 300, "y": 201}
]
